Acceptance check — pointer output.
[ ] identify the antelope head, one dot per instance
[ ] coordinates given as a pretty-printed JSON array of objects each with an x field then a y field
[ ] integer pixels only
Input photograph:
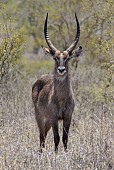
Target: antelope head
[{"x": 61, "y": 58}]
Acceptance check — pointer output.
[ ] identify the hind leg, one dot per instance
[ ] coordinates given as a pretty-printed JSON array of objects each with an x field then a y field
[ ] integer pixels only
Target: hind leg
[
  {"x": 42, "y": 140},
  {"x": 43, "y": 133}
]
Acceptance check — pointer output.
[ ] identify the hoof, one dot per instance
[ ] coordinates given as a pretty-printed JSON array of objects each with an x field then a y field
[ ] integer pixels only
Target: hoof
[
  {"x": 65, "y": 150},
  {"x": 56, "y": 150}
]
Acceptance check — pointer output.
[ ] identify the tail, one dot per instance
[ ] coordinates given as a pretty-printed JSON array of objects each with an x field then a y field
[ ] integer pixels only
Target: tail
[{"x": 38, "y": 86}]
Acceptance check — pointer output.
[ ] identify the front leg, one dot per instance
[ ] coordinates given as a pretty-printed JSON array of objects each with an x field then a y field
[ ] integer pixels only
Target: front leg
[
  {"x": 54, "y": 122},
  {"x": 55, "y": 132},
  {"x": 66, "y": 125}
]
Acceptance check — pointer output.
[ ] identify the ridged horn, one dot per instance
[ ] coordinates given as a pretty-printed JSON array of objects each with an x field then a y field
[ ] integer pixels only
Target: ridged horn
[
  {"x": 73, "y": 45},
  {"x": 49, "y": 43}
]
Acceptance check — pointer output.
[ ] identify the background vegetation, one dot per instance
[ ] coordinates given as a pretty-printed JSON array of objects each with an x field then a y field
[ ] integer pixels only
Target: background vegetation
[{"x": 22, "y": 61}]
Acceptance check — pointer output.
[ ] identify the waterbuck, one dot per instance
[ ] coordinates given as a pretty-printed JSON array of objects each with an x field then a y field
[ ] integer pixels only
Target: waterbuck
[{"x": 53, "y": 96}]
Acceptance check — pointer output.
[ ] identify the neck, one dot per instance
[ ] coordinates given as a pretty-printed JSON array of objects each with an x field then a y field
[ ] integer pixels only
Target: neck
[{"x": 61, "y": 85}]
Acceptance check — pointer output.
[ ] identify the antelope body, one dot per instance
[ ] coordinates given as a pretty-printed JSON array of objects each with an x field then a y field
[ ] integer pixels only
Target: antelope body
[{"x": 53, "y": 96}]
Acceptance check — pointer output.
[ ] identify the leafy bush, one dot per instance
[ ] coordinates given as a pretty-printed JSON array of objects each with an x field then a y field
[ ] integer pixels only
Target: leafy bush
[{"x": 10, "y": 47}]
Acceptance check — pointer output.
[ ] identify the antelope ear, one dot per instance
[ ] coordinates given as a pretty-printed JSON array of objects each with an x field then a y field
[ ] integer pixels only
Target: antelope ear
[
  {"x": 77, "y": 52},
  {"x": 46, "y": 50}
]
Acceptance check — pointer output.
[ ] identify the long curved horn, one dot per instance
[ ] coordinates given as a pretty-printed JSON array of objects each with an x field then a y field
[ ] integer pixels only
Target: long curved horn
[
  {"x": 51, "y": 46},
  {"x": 73, "y": 45}
]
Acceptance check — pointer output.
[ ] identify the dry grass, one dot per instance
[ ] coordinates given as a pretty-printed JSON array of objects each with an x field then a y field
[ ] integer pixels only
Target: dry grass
[{"x": 90, "y": 137}]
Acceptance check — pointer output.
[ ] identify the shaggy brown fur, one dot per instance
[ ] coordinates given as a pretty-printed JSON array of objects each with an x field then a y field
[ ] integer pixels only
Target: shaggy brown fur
[{"x": 53, "y": 100}]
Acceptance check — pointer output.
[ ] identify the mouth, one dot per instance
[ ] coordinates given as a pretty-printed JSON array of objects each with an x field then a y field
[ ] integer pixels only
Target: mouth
[{"x": 61, "y": 73}]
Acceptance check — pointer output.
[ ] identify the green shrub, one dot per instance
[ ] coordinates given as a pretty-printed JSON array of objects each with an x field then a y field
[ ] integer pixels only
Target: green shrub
[{"x": 10, "y": 47}]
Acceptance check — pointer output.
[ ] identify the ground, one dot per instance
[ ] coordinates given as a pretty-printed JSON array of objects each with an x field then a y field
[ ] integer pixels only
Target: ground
[{"x": 90, "y": 136}]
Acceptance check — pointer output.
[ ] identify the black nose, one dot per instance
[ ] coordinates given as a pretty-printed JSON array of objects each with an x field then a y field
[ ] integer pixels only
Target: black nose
[{"x": 61, "y": 69}]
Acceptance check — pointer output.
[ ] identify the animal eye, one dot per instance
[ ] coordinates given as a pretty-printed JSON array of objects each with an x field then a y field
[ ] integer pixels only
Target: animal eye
[{"x": 56, "y": 58}]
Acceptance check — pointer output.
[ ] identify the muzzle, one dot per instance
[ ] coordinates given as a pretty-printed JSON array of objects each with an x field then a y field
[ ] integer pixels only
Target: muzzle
[{"x": 61, "y": 70}]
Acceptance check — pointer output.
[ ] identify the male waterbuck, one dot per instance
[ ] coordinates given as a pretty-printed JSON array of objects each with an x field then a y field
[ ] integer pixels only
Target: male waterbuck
[{"x": 53, "y": 96}]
